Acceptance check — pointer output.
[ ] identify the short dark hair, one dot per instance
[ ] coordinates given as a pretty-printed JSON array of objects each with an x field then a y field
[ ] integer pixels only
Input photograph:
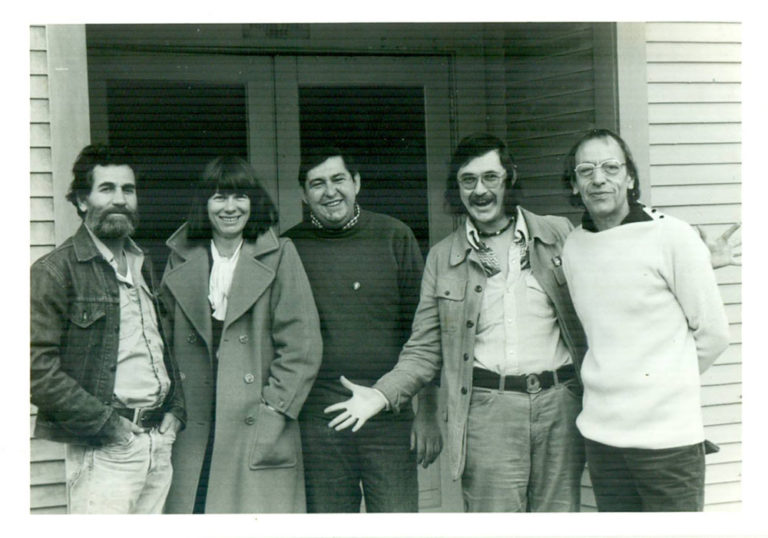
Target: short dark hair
[
  {"x": 228, "y": 175},
  {"x": 569, "y": 174},
  {"x": 89, "y": 158},
  {"x": 317, "y": 155},
  {"x": 471, "y": 147}
]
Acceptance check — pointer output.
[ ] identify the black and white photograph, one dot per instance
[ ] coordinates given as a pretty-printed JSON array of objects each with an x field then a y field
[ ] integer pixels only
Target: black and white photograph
[{"x": 388, "y": 275}]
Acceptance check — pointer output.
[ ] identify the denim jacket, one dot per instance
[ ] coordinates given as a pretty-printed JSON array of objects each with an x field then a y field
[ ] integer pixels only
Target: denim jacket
[
  {"x": 443, "y": 335},
  {"x": 74, "y": 335}
]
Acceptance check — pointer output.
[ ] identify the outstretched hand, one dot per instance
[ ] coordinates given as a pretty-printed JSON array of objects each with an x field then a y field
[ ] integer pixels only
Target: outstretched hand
[
  {"x": 364, "y": 403},
  {"x": 722, "y": 251}
]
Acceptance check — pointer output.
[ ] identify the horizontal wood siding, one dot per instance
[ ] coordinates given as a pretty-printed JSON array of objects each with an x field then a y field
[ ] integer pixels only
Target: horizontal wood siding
[
  {"x": 41, "y": 185},
  {"x": 694, "y": 111},
  {"x": 47, "y": 482},
  {"x": 550, "y": 77}
]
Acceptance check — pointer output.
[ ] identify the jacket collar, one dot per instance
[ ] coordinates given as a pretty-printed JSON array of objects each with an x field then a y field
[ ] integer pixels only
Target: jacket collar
[
  {"x": 85, "y": 248},
  {"x": 537, "y": 229},
  {"x": 461, "y": 248},
  {"x": 188, "y": 280}
]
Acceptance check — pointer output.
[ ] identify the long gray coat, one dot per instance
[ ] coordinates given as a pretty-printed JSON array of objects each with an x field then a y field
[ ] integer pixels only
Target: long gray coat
[{"x": 270, "y": 351}]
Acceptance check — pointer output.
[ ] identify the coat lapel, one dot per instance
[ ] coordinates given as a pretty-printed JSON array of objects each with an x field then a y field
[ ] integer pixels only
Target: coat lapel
[
  {"x": 188, "y": 283},
  {"x": 543, "y": 269},
  {"x": 251, "y": 276}
]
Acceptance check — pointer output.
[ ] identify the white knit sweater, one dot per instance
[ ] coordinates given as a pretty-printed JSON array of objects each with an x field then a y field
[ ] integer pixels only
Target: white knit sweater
[{"x": 647, "y": 297}]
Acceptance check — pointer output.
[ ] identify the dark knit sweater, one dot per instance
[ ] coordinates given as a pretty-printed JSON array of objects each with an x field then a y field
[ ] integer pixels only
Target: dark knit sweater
[{"x": 365, "y": 281}]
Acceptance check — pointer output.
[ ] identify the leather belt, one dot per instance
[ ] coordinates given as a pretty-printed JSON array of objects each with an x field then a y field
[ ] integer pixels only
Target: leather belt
[
  {"x": 530, "y": 383},
  {"x": 142, "y": 416}
]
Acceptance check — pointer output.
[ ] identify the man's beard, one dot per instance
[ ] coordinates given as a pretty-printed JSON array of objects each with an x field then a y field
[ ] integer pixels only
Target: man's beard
[{"x": 115, "y": 228}]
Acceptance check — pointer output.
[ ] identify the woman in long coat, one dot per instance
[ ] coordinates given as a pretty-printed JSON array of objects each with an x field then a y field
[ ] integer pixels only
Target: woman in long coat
[{"x": 245, "y": 331}]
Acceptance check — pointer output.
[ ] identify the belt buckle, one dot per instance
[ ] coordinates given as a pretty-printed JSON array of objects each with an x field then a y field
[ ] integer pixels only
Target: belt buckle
[
  {"x": 140, "y": 414},
  {"x": 532, "y": 384}
]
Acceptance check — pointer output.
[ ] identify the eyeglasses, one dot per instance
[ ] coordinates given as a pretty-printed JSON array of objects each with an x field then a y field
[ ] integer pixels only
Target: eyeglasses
[
  {"x": 610, "y": 168},
  {"x": 490, "y": 180}
]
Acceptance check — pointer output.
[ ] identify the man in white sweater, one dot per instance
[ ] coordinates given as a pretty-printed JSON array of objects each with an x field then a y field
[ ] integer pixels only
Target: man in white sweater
[{"x": 643, "y": 287}]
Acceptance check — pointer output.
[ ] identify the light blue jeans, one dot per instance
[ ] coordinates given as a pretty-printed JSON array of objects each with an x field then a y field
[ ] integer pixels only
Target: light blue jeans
[
  {"x": 125, "y": 478},
  {"x": 524, "y": 453}
]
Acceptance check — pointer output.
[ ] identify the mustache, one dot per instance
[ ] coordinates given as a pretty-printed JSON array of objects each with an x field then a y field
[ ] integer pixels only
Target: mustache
[{"x": 482, "y": 198}]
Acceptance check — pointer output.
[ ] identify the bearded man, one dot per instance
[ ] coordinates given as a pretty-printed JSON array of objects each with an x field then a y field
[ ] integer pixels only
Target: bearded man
[{"x": 102, "y": 378}]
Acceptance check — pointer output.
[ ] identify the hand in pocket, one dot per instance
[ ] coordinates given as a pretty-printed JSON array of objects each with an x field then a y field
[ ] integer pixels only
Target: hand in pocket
[{"x": 272, "y": 446}]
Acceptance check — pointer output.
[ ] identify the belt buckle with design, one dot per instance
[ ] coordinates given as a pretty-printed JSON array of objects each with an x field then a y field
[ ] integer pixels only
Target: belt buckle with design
[{"x": 532, "y": 384}]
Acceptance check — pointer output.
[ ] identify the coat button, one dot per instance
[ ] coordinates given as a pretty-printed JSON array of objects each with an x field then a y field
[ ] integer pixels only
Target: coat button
[
  {"x": 243, "y": 338},
  {"x": 250, "y": 420},
  {"x": 191, "y": 339},
  {"x": 470, "y": 324},
  {"x": 182, "y": 376},
  {"x": 447, "y": 293},
  {"x": 463, "y": 390},
  {"x": 478, "y": 288},
  {"x": 248, "y": 378},
  {"x": 466, "y": 356}
]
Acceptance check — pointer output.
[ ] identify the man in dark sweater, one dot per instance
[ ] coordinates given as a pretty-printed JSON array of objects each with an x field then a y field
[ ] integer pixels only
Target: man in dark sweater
[{"x": 365, "y": 270}]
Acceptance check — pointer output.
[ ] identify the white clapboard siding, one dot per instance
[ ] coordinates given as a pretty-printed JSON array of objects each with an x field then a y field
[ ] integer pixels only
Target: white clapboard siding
[
  {"x": 694, "y": 115},
  {"x": 47, "y": 492},
  {"x": 696, "y": 173},
  {"x": 41, "y": 184}
]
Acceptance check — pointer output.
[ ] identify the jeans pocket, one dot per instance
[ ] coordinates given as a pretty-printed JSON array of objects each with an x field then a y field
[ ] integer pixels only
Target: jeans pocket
[
  {"x": 481, "y": 397},
  {"x": 120, "y": 449},
  {"x": 574, "y": 388}
]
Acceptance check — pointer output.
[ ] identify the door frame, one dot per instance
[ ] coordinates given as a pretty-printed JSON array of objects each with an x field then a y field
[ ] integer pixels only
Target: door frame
[
  {"x": 254, "y": 72},
  {"x": 272, "y": 89}
]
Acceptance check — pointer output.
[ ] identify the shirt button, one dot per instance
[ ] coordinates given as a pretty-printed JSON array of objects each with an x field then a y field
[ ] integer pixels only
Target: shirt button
[
  {"x": 250, "y": 420},
  {"x": 182, "y": 376},
  {"x": 248, "y": 378},
  {"x": 243, "y": 338},
  {"x": 463, "y": 390},
  {"x": 470, "y": 324},
  {"x": 478, "y": 288}
]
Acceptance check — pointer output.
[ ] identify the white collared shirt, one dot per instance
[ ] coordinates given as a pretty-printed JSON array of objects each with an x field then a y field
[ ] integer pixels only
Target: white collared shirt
[
  {"x": 517, "y": 330},
  {"x": 141, "y": 379}
]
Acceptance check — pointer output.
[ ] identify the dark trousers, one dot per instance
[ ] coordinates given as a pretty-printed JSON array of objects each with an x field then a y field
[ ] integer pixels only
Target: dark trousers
[
  {"x": 377, "y": 456},
  {"x": 643, "y": 480}
]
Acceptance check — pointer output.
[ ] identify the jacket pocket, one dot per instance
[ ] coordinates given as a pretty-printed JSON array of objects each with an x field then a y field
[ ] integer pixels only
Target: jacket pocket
[
  {"x": 450, "y": 295},
  {"x": 273, "y": 444},
  {"x": 85, "y": 314}
]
